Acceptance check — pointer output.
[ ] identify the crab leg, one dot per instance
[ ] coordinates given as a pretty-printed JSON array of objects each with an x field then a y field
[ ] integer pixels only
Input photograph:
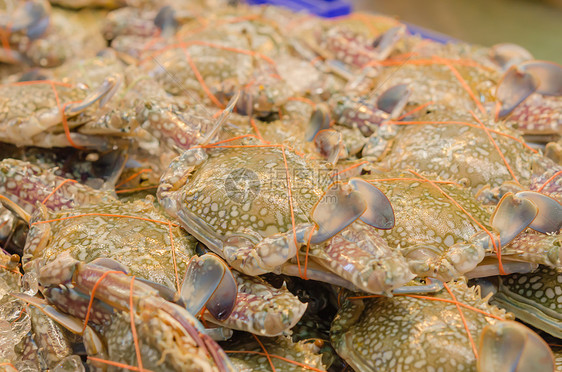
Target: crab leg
[{"x": 364, "y": 258}]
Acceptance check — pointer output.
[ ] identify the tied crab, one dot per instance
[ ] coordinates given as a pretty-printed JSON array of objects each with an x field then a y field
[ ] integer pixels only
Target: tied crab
[
  {"x": 91, "y": 225},
  {"x": 258, "y": 205},
  {"x": 448, "y": 330},
  {"x": 128, "y": 321},
  {"x": 41, "y": 113},
  {"x": 444, "y": 232}
]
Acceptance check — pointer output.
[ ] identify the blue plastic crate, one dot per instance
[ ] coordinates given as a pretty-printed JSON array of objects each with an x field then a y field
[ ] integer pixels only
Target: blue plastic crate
[{"x": 322, "y": 8}]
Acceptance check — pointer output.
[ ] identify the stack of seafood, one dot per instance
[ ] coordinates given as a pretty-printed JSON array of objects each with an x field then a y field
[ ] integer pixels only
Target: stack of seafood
[{"x": 204, "y": 186}]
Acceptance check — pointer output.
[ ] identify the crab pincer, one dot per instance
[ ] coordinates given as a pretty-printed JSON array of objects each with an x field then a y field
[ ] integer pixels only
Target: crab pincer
[
  {"x": 231, "y": 198},
  {"x": 529, "y": 77},
  {"x": 102, "y": 293}
]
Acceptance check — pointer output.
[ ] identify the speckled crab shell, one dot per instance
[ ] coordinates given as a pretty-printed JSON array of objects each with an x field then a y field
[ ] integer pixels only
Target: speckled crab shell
[
  {"x": 405, "y": 333},
  {"x": 460, "y": 152},
  {"x": 140, "y": 239},
  {"x": 297, "y": 352},
  {"x": 242, "y": 190}
]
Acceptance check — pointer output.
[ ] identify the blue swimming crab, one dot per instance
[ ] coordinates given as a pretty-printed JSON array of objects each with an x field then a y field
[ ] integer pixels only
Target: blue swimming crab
[
  {"x": 30, "y": 338},
  {"x": 260, "y": 206},
  {"x": 131, "y": 321},
  {"x": 90, "y": 224},
  {"x": 445, "y": 232},
  {"x": 412, "y": 333},
  {"x": 33, "y": 113}
]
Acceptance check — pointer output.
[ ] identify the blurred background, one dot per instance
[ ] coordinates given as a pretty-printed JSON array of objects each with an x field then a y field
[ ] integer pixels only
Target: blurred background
[{"x": 533, "y": 24}]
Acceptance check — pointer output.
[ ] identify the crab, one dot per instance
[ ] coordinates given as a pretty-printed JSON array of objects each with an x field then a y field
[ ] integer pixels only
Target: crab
[
  {"x": 31, "y": 339},
  {"x": 406, "y": 333},
  {"x": 285, "y": 354},
  {"x": 530, "y": 97},
  {"x": 443, "y": 230},
  {"x": 454, "y": 146},
  {"x": 235, "y": 200},
  {"x": 34, "y": 34},
  {"x": 32, "y": 113},
  {"x": 533, "y": 297},
  {"x": 138, "y": 235},
  {"x": 169, "y": 337}
]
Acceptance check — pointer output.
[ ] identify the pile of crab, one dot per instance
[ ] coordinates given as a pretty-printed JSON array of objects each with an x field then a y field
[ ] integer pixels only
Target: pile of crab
[{"x": 198, "y": 186}]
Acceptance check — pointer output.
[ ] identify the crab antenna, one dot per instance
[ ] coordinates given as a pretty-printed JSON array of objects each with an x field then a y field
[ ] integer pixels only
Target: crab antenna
[
  {"x": 209, "y": 283},
  {"x": 221, "y": 120}
]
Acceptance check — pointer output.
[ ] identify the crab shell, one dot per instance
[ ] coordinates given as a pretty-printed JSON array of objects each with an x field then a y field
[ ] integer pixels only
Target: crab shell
[
  {"x": 235, "y": 201},
  {"x": 300, "y": 352},
  {"x": 460, "y": 152},
  {"x": 405, "y": 333},
  {"x": 440, "y": 240}
]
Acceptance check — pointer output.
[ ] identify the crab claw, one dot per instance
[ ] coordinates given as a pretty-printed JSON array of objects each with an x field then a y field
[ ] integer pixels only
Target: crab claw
[
  {"x": 33, "y": 17},
  {"x": 507, "y": 54},
  {"x": 385, "y": 43},
  {"x": 165, "y": 21},
  {"x": 102, "y": 94},
  {"x": 513, "y": 89},
  {"x": 209, "y": 283},
  {"x": 549, "y": 217},
  {"x": 512, "y": 215},
  {"x": 547, "y": 74},
  {"x": 379, "y": 212},
  {"x": 510, "y": 346},
  {"x": 520, "y": 81},
  {"x": 338, "y": 208},
  {"x": 69, "y": 322},
  {"x": 393, "y": 100},
  {"x": 319, "y": 121},
  {"x": 330, "y": 144}
]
